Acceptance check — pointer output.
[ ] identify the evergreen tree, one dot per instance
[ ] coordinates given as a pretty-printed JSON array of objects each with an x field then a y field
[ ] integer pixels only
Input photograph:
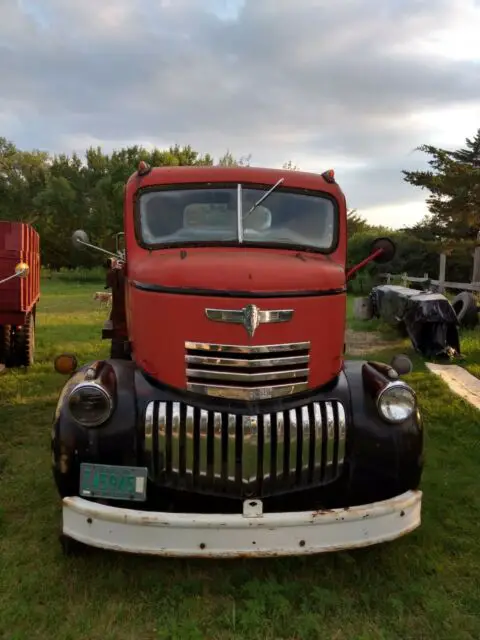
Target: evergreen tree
[{"x": 454, "y": 185}]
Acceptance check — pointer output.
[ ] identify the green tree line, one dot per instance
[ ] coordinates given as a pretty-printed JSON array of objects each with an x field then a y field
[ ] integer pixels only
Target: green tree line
[{"x": 60, "y": 193}]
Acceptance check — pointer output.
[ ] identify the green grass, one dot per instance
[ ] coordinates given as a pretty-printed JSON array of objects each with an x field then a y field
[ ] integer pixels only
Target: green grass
[
  {"x": 423, "y": 586},
  {"x": 470, "y": 347}
]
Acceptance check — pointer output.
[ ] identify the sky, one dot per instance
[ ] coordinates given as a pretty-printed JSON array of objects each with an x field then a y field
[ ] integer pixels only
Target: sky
[{"x": 354, "y": 85}]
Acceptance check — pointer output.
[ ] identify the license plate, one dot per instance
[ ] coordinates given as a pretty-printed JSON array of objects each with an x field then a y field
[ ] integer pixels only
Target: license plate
[{"x": 112, "y": 482}]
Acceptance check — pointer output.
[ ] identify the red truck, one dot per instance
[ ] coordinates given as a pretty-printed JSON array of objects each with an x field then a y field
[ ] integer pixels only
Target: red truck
[
  {"x": 226, "y": 421},
  {"x": 19, "y": 292}
]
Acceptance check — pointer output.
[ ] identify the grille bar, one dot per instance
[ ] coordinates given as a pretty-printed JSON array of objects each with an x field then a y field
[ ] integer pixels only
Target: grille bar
[
  {"x": 236, "y": 371},
  {"x": 245, "y": 455},
  {"x": 229, "y": 376},
  {"x": 207, "y": 361},
  {"x": 247, "y": 349}
]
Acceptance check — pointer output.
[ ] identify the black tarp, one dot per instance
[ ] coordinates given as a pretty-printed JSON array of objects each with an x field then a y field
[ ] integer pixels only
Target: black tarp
[{"x": 427, "y": 317}]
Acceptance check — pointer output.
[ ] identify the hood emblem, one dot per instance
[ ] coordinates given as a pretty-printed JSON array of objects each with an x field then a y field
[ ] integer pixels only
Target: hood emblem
[{"x": 250, "y": 316}]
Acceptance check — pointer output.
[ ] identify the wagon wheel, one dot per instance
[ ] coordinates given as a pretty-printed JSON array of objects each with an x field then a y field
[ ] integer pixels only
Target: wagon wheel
[
  {"x": 24, "y": 343},
  {"x": 5, "y": 343}
]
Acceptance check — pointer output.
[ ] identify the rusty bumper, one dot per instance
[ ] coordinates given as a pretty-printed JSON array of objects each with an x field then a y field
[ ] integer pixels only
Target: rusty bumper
[{"x": 250, "y": 534}]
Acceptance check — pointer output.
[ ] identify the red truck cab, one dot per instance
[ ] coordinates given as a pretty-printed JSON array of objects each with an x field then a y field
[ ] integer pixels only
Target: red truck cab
[
  {"x": 227, "y": 421},
  {"x": 19, "y": 292}
]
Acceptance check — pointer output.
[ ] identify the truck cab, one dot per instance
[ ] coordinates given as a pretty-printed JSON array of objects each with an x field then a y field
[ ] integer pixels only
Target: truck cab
[{"x": 227, "y": 421}]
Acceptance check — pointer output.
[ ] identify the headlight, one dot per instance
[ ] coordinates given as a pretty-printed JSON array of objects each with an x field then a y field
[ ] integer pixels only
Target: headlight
[
  {"x": 90, "y": 404},
  {"x": 396, "y": 402}
]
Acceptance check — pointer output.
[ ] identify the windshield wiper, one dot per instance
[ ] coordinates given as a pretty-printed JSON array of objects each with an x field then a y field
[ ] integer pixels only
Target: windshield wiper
[{"x": 265, "y": 195}]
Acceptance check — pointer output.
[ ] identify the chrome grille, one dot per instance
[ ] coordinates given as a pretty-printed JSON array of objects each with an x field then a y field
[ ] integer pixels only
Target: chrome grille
[
  {"x": 189, "y": 447},
  {"x": 247, "y": 372}
]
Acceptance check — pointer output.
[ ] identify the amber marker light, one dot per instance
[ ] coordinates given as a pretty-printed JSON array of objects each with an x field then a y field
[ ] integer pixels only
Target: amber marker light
[{"x": 65, "y": 363}]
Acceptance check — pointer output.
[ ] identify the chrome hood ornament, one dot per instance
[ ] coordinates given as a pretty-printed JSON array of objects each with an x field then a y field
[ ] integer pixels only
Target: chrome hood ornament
[{"x": 250, "y": 316}]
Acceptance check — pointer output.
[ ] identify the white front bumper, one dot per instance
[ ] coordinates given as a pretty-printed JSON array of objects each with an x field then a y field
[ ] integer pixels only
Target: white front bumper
[{"x": 249, "y": 534}]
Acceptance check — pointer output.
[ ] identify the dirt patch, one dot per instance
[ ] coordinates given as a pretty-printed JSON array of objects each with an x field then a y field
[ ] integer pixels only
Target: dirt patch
[{"x": 361, "y": 342}]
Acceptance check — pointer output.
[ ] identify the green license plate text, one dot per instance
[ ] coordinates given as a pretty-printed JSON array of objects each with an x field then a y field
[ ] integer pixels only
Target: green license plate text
[{"x": 113, "y": 482}]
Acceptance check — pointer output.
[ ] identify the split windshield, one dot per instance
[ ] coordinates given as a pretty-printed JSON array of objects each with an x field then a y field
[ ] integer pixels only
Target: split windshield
[{"x": 226, "y": 214}]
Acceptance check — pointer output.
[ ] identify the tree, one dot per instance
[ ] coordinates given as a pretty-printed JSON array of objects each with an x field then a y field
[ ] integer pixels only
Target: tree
[
  {"x": 228, "y": 160},
  {"x": 356, "y": 223},
  {"x": 454, "y": 185},
  {"x": 290, "y": 166}
]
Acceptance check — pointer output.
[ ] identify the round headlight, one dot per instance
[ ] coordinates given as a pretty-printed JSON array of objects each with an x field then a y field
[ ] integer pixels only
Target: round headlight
[
  {"x": 90, "y": 404},
  {"x": 396, "y": 402}
]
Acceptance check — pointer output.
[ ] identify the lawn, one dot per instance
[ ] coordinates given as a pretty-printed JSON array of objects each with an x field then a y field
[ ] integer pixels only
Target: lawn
[{"x": 423, "y": 586}]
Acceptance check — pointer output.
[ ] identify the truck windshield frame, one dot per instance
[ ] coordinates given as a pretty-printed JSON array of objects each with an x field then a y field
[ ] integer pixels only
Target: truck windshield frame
[{"x": 262, "y": 228}]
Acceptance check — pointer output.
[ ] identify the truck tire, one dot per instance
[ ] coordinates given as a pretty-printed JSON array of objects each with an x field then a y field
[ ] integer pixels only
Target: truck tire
[
  {"x": 5, "y": 344},
  {"x": 23, "y": 345},
  {"x": 465, "y": 307},
  {"x": 362, "y": 309}
]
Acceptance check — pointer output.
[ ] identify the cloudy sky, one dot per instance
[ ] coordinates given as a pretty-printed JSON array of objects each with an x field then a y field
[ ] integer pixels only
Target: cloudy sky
[{"x": 351, "y": 84}]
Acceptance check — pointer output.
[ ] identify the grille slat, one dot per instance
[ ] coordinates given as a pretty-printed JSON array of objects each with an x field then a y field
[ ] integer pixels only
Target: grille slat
[
  {"x": 244, "y": 454},
  {"x": 247, "y": 372}
]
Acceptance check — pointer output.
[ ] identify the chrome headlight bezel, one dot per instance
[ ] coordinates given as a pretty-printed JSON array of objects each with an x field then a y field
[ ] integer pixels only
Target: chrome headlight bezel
[
  {"x": 106, "y": 396},
  {"x": 392, "y": 386}
]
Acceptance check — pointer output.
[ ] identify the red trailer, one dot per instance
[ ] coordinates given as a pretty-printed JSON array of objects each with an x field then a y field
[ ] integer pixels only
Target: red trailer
[{"x": 19, "y": 292}]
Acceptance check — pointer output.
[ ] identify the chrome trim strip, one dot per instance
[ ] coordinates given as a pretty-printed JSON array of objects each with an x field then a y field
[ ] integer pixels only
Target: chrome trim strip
[
  {"x": 190, "y": 439},
  {"x": 306, "y": 426},
  {"x": 246, "y": 364},
  {"x": 293, "y": 444},
  {"x": 342, "y": 432},
  {"x": 318, "y": 445},
  {"x": 203, "y": 441},
  {"x": 162, "y": 428},
  {"x": 148, "y": 442},
  {"x": 236, "y": 348},
  {"x": 247, "y": 393},
  {"x": 249, "y": 448},
  {"x": 217, "y": 444},
  {"x": 235, "y": 376},
  {"x": 279, "y": 426},
  {"x": 330, "y": 433},
  {"x": 176, "y": 436}
]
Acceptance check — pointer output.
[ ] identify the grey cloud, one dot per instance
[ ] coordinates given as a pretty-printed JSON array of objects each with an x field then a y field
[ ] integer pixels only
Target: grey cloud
[{"x": 317, "y": 77}]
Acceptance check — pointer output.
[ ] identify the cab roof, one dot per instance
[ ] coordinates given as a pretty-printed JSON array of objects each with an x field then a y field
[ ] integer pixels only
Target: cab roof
[{"x": 259, "y": 175}]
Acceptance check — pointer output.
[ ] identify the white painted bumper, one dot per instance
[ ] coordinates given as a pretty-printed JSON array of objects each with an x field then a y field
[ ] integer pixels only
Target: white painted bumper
[{"x": 249, "y": 534}]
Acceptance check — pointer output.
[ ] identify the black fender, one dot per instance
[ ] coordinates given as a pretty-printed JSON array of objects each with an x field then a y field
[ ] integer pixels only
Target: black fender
[
  {"x": 114, "y": 442},
  {"x": 382, "y": 458}
]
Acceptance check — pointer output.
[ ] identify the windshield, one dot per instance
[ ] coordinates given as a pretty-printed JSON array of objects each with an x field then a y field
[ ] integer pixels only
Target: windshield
[{"x": 211, "y": 214}]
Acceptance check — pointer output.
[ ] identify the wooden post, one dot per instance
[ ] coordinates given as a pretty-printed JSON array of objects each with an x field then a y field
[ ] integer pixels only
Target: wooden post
[
  {"x": 442, "y": 272},
  {"x": 425, "y": 285},
  {"x": 476, "y": 266}
]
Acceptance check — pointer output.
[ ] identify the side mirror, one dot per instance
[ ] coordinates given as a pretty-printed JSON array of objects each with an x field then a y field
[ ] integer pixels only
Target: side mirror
[
  {"x": 22, "y": 270},
  {"x": 80, "y": 239},
  {"x": 388, "y": 250}
]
